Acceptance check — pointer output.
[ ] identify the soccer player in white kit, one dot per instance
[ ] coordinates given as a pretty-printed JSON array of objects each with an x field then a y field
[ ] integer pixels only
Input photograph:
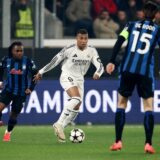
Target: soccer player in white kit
[{"x": 76, "y": 61}]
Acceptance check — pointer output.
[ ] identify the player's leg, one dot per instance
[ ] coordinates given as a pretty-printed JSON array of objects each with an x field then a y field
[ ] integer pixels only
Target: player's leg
[
  {"x": 127, "y": 83},
  {"x": 2, "y": 106},
  {"x": 5, "y": 99},
  {"x": 11, "y": 124},
  {"x": 119, "y": 122},
  {"x": 74, "y": 110},
  {"x": 70, "y": 85},
  {"x": 72, "y": 106},
  {"x": 120, "y": 116},
  {"x": 17, "y": 105},
  {"x": 69, "y": 113},
  {"x": 148, "y": 119},
  {"x": 148, "y": 124},
  {"x": 145, "y": 90}
]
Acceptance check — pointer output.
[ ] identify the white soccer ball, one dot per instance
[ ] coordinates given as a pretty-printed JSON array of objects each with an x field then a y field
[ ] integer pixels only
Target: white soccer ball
[{"x": 77, "y": 135}]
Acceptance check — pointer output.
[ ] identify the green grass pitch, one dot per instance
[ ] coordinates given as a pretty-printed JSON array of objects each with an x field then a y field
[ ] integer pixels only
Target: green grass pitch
[{"x": 40, "y": 143}]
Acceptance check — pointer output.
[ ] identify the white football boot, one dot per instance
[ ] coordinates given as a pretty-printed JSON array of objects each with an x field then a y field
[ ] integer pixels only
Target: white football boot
[{"x": 59, "y": 132}]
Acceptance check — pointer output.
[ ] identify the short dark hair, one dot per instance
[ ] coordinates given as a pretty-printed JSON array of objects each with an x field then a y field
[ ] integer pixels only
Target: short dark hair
[
  {"x": 82, "y": 31},
  {"x": 16, "y": 43},
  {"x": 150, "y": 9}
]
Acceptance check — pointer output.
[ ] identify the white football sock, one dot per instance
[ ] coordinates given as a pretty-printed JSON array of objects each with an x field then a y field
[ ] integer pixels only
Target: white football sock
[
  {"x": 68, "y": 109},
  {"x": 70, "y": 118},
  {"x": 63, "y": 116}
]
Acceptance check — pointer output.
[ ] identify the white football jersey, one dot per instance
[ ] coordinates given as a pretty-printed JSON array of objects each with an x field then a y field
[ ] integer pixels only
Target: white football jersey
[{"x": 76, "y": 62}]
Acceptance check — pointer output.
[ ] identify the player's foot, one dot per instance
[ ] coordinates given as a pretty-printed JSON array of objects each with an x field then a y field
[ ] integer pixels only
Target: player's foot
[
  {"x": 59, "y": 132},
  {"x": 1, "y": 123},
  {"x": 116, "y": 146},
  {"x": 149, "y": 149},
  {"x": 7, "y": 137}
]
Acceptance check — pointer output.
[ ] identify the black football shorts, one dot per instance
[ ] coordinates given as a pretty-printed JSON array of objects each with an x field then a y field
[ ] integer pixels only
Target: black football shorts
[{"x": 144, "y": 85}]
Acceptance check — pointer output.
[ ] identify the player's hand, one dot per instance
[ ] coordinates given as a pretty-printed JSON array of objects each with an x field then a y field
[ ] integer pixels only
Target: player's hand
[
  {"x": 28, "y": 91},
  {"x": 110, "y": 68},
  {"x": 37, "y": 77},
  {"x": 96, "y": 76},
  {"x": 1, "y": 85}
]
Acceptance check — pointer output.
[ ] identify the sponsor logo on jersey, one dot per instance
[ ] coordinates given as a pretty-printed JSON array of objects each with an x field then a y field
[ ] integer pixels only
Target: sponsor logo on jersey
[
  {"x": 24, "y": 67},
  {"x": 17, "y": 72},
  {"x": 75, "y": 55},
  {"x": 80, "y": 61}
]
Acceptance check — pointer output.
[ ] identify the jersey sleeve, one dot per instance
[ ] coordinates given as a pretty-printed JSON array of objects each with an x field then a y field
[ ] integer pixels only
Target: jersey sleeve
[
  {"x": 2, "y": 67},
  {"x": 54, "y": 62},
  {"x": 97, "y": 63},
  {"x": 125, "y": 32},
  {"x": 121, "y": 38},
  {"x": 33, "y": 70}
]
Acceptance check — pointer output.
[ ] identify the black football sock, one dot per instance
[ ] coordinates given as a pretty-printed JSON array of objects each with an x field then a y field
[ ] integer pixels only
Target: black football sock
[
  {"x": 149, "y": 126},
  {"x": 11, "y": 124},
  {"x": 119, "y": 123}
]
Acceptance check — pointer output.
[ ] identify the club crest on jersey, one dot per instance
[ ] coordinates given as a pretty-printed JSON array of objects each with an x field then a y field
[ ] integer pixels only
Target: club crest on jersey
[
  {"x": 75, "y": 55},
  {"x": 24, "y": 67},
  {"x": 8, "y": 65}
]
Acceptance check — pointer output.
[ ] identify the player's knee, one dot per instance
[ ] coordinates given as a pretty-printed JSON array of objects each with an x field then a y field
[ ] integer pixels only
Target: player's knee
[
  {"x": 148, "y": 104},
  {"x": 123, "y": 102},
  {"x": 148, "y": 108},
  {"x": 74, "y": 103},
  {"x": 77, "y": 101}
]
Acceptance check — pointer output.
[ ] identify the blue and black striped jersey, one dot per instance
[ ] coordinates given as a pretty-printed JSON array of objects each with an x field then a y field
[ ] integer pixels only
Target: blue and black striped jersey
[
  {"x": 19, "y": 74},
  {"x": 143, "y": 37}
]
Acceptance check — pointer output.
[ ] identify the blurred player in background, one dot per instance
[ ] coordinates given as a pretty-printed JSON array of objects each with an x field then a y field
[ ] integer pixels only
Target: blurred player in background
[
  {"x": 76, "y": 61},
  {"x": 18, "y": 68},
  {"x": 137, "y": 70}
]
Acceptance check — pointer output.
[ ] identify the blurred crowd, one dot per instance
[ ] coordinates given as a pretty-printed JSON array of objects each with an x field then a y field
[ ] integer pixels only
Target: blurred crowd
[{"x": 102, "y": 18}]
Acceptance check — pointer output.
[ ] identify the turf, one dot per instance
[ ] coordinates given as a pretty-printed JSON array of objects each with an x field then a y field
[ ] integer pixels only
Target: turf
[{"x": 39, "y": 143}]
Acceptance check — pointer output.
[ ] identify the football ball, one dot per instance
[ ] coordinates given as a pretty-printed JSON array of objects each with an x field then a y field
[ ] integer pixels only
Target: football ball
[{"x": 77, "y": 135}]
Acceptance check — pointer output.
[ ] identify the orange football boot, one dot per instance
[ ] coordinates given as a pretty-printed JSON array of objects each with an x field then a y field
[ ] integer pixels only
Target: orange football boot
[
  {"x": 7, "y": 137},
  {"x": 116, "y": 146},
  {"x": 149, "y": 149}
]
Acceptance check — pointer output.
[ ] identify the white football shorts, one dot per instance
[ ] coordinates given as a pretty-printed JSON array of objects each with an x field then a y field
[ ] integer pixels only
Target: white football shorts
[{"x": 68, "y": 81}]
